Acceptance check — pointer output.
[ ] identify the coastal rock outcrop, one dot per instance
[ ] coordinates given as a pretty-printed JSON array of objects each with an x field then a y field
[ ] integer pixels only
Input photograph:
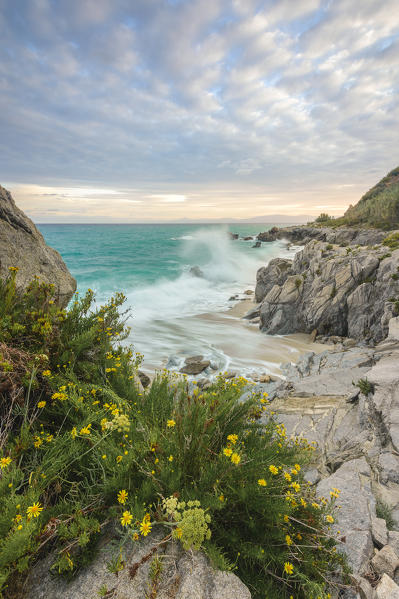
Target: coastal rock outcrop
[
  {"x": 183, "y": 575},
  {"x": 341, "y": 235},
  {"x": 356, "y": 436},
  {"x": 23, "y": 246},
  {"x": 352, "y": 292}
]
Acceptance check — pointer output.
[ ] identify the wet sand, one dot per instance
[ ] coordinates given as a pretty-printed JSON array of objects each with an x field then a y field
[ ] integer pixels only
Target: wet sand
[{"x": 247, "y": 349}]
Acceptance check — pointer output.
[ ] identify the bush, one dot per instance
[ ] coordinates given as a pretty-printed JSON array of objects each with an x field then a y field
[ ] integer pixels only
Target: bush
[
  {"x": 81, "y": 444},
  {"x": 323, "y": 218},
  {"x": 392, "y": 241}
]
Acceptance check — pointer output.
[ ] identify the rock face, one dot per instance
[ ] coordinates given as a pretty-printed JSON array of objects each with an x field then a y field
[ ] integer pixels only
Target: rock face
[
  {"x": 23, "y": 246},
  {"x": 184, "y": 575},
  {"x": 357, "y": 439},
  {"x": 338, "y": 291}
]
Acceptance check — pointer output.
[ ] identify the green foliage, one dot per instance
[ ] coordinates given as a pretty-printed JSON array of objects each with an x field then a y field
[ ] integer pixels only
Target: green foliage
[
  {"x": 81, "y": 445},
  {"x": 365, "y": 386},
  {"x": 384, "y": 511},
  {"x": 323, "y": 218},
  {"x": 392, "y": 241}
]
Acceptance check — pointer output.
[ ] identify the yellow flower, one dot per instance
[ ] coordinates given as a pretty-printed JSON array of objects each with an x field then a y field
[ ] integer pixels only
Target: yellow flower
[
  {"x": 46, "y": 373},
  {"x": 297, "y": 467},
  {"x": 232, "y": 438},
  {"x": 170, "y": 423},
  {"x": 37, "y": 442},
  {"x": 34, "y": 510},
  {"x": 178, "y": 532},
  {"x": 235, "y": 458},
  {"x": 329, "y": 518},
  {"x": 4, "y": 462},
  {"x": 118, "y": 459},
  {"x": 287, "y": 476},
  {"x": 170, "y": 458},
  {"x": 286, "y": 518},
  {"x": 288, "y": 568},
  {"x": 18, "y": 518},
  {"x": 74, "y": 432},
  {"x": 262, "y": 482},
  {"x": 126, "y": 518},
  {"x": 41, "y": 404},
  {"x": 145, "y": 527},
  {"x": 227, "y": 451},
  {"x": 221, "y": 498},
  {"x": 49, "y": 438},
  {"x": 19, "y": 527},
  {"x": 104, "y": 456},
  {"x": 273, "y": 469},
  {"x": 122, "y": 496},
  {"x": 288, "y": 540},
  {"x": 135, "y": 536},
  {"x": 86, "y": 430},
  {"x": 296, "y": 486}
]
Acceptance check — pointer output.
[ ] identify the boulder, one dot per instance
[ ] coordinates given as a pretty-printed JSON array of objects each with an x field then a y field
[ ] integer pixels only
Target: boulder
[
  {"x": 257, "y": 244},
  {"x": 232, "y": 235},
  {"x": 385, "y": 561},
  {"x": 379, "y": 532},
  {"x": 23, "y": 246},
  {"x": 184, "y": 575},
  {"x": 387, "y": 588},
  {"x": 194, "y": 365},
  {"x": 144, "y": 378}
]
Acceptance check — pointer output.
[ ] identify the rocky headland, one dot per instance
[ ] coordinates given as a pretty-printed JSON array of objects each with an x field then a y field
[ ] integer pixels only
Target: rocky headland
[{"x": 22, "y": 246}]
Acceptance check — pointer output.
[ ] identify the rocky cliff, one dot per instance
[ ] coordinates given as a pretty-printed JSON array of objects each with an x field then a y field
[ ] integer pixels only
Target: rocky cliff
[
  {"x": 349, "y": 291},
  {"x": 356, "y": 432},
  {"x": 23, "y": 246}
]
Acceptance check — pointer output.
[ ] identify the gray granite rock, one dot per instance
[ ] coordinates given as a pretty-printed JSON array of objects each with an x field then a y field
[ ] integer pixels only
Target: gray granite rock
[
  {"x": 23, "y": 246},
  {"x": 329, "y": 289},
  {"x": 385, "y": 561},
  {"x": 185, "y": 575},
  {"x": 387, "y": 588}
]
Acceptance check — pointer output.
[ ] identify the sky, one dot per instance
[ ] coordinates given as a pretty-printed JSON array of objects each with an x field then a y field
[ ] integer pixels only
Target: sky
[{"x": 153, "y": 110}]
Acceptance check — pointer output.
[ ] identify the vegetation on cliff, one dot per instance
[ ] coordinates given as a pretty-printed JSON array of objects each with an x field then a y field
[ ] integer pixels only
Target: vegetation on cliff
[
  {"x": 378, "y": 208},
  {"x": 82, "y": 445}
]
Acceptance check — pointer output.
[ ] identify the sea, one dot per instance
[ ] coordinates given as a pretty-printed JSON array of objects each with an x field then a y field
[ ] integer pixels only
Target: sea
[{"x": 174, "y": 314}]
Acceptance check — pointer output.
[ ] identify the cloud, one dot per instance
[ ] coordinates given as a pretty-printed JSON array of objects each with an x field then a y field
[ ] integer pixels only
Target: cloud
[{"x": 165, "y": 97}]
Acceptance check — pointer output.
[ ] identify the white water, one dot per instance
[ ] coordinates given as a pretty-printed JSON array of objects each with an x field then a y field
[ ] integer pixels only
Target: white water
[{"x": 173, "y": 319}]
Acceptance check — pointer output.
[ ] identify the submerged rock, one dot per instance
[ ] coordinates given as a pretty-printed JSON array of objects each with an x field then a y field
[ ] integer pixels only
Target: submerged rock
[
  {"x": 23, "y": 246},
  {"x": 195, "y": 271}
]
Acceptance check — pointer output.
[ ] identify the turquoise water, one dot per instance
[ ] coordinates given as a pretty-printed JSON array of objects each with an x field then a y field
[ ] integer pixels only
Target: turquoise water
[
  {"x": 172, "y": 311},
  {"x": 121, "y": 257}
]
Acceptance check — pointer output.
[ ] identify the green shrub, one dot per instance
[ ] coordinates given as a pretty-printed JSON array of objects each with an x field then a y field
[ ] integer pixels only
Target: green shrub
[
  {"x": 392, "y": 241},
  {"x": 323, "y": 218},
  {"x": 384, "y": 511},
  {"x": 81, "y": 444}
]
